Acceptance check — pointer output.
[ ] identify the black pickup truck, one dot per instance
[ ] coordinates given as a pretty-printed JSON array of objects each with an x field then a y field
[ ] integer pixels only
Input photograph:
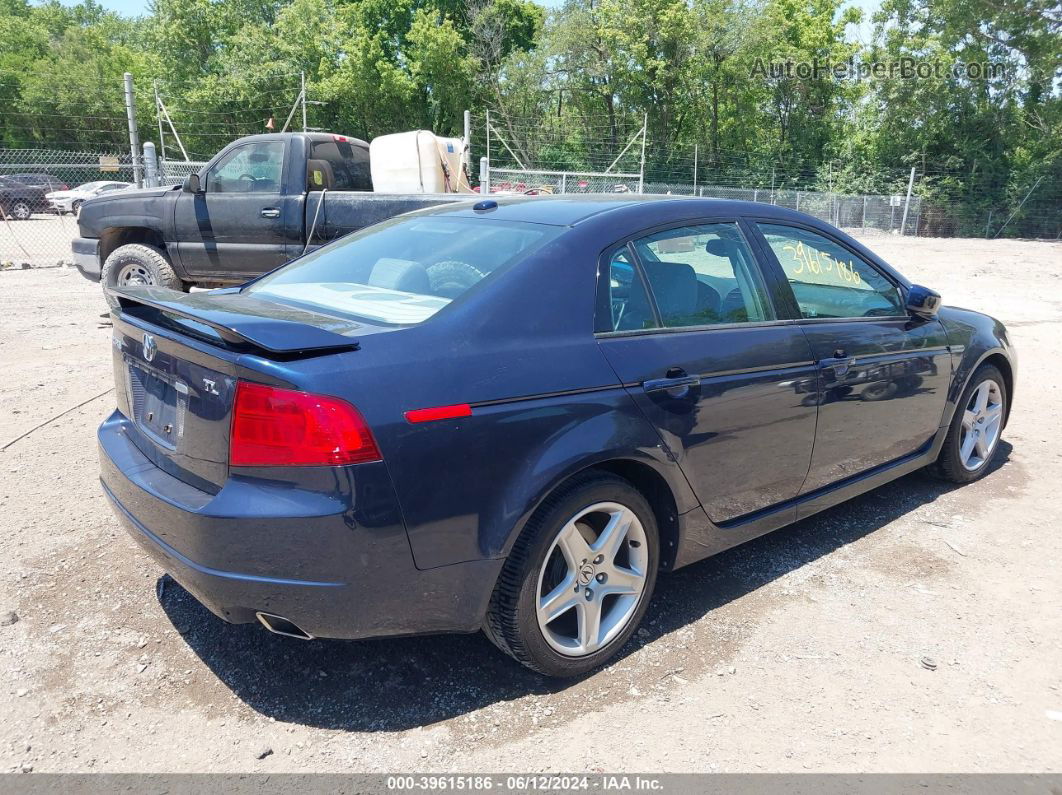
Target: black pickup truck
[{"x": 261, "y": 201}]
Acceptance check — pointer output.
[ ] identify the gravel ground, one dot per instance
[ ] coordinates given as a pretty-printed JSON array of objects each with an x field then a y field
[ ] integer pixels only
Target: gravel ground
[{"x": 801, "y": 651}]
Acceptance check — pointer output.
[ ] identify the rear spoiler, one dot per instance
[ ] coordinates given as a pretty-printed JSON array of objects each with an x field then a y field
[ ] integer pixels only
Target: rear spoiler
[{"x": 241, "y": 319}]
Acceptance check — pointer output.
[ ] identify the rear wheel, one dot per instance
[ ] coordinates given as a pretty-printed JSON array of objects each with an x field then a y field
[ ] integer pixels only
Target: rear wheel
[
  {"x": 138, "y": 264},
  {"x": 75, "y": 207},
  {"x": 579, "y": 578},
  {"x": 976, "y": 428}
]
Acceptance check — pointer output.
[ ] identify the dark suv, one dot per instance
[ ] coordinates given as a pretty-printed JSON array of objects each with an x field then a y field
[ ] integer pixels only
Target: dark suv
[{"x": 19, "y": 199}]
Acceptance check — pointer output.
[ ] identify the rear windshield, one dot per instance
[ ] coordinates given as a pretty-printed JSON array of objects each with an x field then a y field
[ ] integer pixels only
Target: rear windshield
[{"x": 404, "y": 270}]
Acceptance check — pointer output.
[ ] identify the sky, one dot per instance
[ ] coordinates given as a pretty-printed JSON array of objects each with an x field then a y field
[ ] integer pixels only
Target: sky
[{"x": 132, "y": 8}]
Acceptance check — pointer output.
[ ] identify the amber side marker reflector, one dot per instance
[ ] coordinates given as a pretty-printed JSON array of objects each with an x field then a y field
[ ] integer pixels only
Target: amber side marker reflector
[{"x": 439, "y": 413}]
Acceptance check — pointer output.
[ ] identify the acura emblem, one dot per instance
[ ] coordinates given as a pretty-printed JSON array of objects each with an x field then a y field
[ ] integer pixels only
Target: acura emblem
[{"x": 150, "y": 348}]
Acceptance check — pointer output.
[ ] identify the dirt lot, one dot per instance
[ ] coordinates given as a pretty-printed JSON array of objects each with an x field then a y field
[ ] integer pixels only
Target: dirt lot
[{"x": 797, "y": 652}]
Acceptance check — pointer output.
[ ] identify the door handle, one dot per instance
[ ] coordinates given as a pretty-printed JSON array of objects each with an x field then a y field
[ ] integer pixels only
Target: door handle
[
  {"x": 676, "y": 382},
  {"x": 270, "y": 212},
  {"x": 840, "y": 362}
]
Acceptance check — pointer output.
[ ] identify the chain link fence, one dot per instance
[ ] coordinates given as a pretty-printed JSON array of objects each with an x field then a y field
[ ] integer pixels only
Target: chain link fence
[
  {"x": 862, "y": 212},
  {"x": 174, "y": 172},
  {"x": 41, "y": 192},
  {"x": 512, "y": 180}
]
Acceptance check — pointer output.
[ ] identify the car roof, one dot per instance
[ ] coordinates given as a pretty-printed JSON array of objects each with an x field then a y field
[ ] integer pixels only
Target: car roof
[{"x": 571, "y": 210}]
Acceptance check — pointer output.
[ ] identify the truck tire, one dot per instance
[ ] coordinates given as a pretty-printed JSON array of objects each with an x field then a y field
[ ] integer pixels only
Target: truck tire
[{"x": 138, "y": 264}]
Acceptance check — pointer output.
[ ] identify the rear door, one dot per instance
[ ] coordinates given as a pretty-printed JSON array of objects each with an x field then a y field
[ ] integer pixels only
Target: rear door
[
  {"x": 690, "y": 326},
  {"x": 241, "y": 224},
  {"x": 883, "y": 375}
]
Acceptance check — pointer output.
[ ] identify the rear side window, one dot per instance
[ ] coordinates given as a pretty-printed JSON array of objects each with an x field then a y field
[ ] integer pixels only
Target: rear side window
[
  {"x": 339, "y": 165},
  {"x": 703, "y": 275},
  {"x": 404, "y": 270},
  {"x": 828, "y": 280}
]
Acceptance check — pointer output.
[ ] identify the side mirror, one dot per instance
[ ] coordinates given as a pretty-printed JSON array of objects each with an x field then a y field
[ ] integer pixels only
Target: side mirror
[
  {"x": 923, "y": 302},
  {"x": 191, "y": 184}
]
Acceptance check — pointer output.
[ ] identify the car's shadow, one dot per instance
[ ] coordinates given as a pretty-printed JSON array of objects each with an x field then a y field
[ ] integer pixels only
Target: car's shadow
[{"x": 394, "y": 684}]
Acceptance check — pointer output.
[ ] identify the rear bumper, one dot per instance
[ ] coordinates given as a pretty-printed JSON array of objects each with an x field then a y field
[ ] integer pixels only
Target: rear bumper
[
  {"x": 86, "y": 252},
  {"x": 335, "y": 562}
]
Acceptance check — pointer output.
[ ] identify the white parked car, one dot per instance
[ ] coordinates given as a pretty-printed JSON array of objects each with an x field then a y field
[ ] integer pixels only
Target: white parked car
[{"x": 70, "y": 201}]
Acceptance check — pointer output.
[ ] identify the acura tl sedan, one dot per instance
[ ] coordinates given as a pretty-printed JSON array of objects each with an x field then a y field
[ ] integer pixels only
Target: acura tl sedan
[{"x": 511, "y": 415}]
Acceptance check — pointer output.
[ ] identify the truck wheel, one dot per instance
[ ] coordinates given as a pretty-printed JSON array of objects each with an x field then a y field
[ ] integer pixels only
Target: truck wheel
[{"x": 138, "y": 264}]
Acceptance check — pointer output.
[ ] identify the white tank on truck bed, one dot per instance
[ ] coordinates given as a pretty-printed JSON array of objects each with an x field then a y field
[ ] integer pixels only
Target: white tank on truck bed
[{"x": 418, "y": 162}]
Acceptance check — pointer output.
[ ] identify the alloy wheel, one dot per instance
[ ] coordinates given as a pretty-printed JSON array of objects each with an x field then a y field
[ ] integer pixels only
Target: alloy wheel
[
  {"x": 21, "y": 211},
  {"x": 982, "y": 421},
  {"x": 592, "y": 580}
]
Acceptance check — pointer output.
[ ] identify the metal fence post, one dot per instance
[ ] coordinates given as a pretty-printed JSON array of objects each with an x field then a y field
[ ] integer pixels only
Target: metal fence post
[
  {"x": 134, "y": 136},
  {"x": 484, "y": 175},
  {"x": 907, "y": 204},
  {"x": 151, "y": 166}
]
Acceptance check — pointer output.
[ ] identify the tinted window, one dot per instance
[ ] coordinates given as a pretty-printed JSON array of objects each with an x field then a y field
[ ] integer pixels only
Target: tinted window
[
  {"x": 827, "y": 279},
  {"x": 403, "y": 270},
  {"x": 348, "y": 164},
  {"x": 251, "y": 168},
  {"x": 703, "y": 275},
  {"x": 629, "y": 303}
]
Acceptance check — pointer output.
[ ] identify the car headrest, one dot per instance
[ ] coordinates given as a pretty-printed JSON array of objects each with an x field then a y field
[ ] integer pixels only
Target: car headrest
[
  {"x": 400, "y": 274},
  {"x": 674, "y": 285},
  {"x": 319, "y": 175}
]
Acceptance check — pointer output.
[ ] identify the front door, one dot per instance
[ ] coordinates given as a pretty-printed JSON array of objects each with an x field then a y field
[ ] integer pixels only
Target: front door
[
  {"x": 883, "y": 375},
  {"x": 693, "y": 335},
  {"x": 240, "y": 224}
]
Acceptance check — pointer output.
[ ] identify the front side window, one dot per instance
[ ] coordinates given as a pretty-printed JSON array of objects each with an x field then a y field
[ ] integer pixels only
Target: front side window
[
  {"x": 251, "y": 168},
  {"x": 703, "y": 275},
  {"x": 828, "y": 280},
  {"x": 404, "y": 270}
]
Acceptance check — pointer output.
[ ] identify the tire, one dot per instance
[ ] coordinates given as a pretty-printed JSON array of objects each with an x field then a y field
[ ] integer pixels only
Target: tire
[
  {"x": 19, "y": 210},
  {"x": 75, "y": 208},
  {"x": 137, "y": 264},
  {"x": 963, "y": 459},
  {"x": 553, "y": 555}
]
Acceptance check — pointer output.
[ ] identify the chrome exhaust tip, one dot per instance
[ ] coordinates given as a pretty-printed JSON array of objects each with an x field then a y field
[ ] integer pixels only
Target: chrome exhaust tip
[{"x": 279, "y": 625}]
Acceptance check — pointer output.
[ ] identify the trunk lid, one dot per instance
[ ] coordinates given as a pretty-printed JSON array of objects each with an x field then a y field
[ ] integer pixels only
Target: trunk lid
[{"x": 176, "y": 360}]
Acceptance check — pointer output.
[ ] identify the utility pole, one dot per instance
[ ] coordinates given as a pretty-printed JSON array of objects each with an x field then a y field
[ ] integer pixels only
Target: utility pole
[
  {"x": 695, "y": 169},
  {"x": 134, "y": 136},
  {"x": 158, "y": 116},
  {"x": 907, "y": 204},
  {"x": 641, "y": 173},
  {"x": 303, "y": 96},
  {"x": 484, "y": 184}
]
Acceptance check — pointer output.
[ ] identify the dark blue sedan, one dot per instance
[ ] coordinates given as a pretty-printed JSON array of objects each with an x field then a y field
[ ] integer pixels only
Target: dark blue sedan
[{"x": 511, "y": 415}]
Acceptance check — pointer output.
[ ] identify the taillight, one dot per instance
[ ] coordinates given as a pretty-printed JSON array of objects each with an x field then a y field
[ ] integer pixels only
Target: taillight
[{"x": 282, "y": 427}]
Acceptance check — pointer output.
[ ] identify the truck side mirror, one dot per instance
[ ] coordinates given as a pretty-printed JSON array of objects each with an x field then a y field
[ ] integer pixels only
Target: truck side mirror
[
  {"x": 191, "y": 184},
  {"x": 923, "y": 302}
]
